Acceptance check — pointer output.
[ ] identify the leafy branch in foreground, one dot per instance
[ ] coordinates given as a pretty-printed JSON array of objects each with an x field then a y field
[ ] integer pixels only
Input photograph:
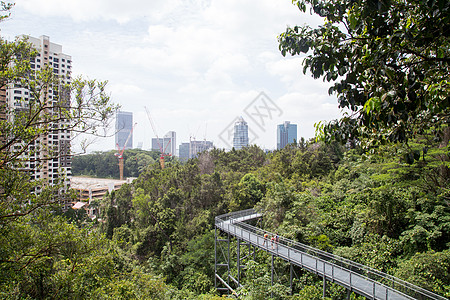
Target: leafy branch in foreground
[
  {"x": 51, "y": 106},
  {"x": 389, "y": 61}
]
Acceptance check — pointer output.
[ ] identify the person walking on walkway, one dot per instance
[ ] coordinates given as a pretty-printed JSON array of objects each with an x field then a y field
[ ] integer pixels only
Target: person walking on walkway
[
  {"x": 276, "y": 239},
  {"x": 265, "y": 239}
]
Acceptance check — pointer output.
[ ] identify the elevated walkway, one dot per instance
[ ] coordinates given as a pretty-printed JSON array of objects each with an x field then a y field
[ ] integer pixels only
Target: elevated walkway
[{"x": 355, "y": 277}]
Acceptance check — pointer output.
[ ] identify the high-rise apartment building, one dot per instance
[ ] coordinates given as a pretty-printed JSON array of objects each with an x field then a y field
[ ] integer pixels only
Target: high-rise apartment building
[
  {"x": 124, "y": 128},
  {"x": 51, "y": 155},
  {"x": 286, "y": 134},
  {"x": 240, "y": 138},
  {"x": 167, "y": 143}
]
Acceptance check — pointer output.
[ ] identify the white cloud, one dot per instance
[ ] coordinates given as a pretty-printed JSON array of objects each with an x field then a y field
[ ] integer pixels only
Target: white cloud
[{"x": 88, "y": 10}]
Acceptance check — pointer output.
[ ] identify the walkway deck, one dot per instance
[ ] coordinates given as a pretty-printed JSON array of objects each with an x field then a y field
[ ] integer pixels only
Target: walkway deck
[{"x": 353, "y": 276}]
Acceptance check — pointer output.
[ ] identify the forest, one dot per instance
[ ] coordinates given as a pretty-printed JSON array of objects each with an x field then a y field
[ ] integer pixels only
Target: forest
[{"x": 380, "y": 209}]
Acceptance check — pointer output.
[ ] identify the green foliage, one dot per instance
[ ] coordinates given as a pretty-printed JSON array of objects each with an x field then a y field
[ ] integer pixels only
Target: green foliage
[
  {"x": 428, "y": 269},
  {"x": 258, "y": 284},
  {"x": 105, "y": 164},
  {"x": 389, "y": 60},
  {"x": 248, "y": 192},
  {"x": 43, "y": 256}
]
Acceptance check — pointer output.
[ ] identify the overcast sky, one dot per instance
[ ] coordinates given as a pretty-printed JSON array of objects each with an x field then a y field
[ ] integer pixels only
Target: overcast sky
[{"x": 196, "y": 64}]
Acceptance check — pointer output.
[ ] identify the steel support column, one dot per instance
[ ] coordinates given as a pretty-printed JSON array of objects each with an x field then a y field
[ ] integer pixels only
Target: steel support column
[
  {"x": 238, "y": 263},
  {"x": 215, "y": 257},
  {"x": 221, "y": 260},
  {"x": 291, "y": 275},
  {"x": 271, "y": 276}
]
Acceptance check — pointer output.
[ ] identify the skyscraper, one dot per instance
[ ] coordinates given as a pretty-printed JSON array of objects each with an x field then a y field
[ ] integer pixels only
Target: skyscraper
[
  {"x": 50, "y": 154},
  {"x": 240, "y": 138},
  {"x": 170, "y": 143},
  {"x": 124, "y": 126},
  {"x": 286, "y": 134},
  {"x": 167, "y": 143}
]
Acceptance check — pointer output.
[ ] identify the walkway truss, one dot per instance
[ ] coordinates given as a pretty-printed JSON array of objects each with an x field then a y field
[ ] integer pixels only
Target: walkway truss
[{"x": 355, "y": 277}]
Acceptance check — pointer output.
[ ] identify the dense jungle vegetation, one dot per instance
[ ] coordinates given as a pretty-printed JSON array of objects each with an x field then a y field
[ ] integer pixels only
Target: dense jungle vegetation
[
  {"x": 380, "y": 209},
  {"x": 156, "y": 239}
]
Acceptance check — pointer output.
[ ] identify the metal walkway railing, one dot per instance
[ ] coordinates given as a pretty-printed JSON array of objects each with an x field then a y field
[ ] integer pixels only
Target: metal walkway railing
[{"x": 355, "y": 277}]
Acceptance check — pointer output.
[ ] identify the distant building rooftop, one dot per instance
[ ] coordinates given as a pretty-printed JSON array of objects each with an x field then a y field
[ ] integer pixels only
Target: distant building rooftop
[{"x": 94, "y": 188}]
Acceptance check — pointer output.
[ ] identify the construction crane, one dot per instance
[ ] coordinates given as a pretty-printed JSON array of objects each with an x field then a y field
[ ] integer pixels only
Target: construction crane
[
  {"x": 119, "y": 153},
  {"x": 163, "y": 151}
]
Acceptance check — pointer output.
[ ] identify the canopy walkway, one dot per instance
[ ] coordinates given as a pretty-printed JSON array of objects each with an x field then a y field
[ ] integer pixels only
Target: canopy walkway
[{"x": 355, "y": 277}]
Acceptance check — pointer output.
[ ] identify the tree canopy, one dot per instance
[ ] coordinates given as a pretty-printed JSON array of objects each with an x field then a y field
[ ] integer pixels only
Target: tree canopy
[{"x": 389, "y": 61}]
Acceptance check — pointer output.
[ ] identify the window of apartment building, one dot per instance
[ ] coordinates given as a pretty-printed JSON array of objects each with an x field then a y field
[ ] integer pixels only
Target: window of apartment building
[
  {"x": 56, "y": 59},
  {"x": 17, "y": 92}
]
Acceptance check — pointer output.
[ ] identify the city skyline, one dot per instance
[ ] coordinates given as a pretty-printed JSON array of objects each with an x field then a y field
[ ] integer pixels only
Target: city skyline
[{"x": 195, "y": 65}]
